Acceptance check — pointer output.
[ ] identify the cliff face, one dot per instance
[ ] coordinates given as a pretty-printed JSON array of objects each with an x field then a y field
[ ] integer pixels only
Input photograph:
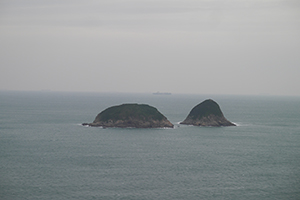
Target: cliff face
[
  {"x": 131, "y": 115},
  {"x": 207, "y": 113}
]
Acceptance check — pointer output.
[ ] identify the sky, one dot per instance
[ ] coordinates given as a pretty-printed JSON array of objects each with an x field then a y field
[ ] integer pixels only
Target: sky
[{"x": 247, "y": 47}]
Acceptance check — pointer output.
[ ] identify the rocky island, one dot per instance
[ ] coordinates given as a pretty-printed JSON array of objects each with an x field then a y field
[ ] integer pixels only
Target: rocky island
[
  {"x": 131, "y": 116},
  {"x": 207, "y": 113}
]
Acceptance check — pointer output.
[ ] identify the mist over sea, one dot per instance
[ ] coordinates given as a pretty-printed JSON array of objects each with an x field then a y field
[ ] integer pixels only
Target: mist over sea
[{"x": 46, "y": 154}]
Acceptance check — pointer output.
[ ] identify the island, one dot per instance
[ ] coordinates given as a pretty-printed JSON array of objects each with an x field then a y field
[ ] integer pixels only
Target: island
[
  {"x": 162, "y": 93},
  {"x": 131, "y": 116},
  {"x": 207, "y": 113}
]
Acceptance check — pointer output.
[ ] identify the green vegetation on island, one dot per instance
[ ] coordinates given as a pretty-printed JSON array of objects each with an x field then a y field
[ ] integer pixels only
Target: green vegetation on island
[
  {"x": 206, "y": 108},
  {"x": 127, "y": 111}
]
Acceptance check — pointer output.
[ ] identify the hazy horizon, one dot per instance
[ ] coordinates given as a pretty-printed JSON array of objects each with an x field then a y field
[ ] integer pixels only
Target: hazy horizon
[{"x": 193, "y": 47}]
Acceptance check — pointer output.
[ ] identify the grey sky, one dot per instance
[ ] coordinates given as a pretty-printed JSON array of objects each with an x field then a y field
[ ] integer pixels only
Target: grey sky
[{"x": 179, "y": 46}]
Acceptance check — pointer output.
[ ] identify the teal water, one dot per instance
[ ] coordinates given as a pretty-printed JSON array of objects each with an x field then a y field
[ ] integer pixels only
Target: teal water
[{"x": 46, "y": 154}]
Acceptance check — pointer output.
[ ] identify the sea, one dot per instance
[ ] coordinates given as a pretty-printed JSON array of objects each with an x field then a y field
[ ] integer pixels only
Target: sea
[{"x": 45, "y": 152}]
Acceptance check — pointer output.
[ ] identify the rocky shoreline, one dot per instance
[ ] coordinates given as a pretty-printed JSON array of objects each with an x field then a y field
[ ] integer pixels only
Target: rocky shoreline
[{"x": 132, "y": 123}]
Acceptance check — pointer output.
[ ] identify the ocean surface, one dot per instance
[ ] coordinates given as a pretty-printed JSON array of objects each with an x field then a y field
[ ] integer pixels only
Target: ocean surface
[{"x": 46, "y": 154}]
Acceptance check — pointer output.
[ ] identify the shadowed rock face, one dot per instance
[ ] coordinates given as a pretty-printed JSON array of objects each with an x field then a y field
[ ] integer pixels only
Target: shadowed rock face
[
  {"x": 207, "y": 113},
  {"x": 131, "y": 115}
]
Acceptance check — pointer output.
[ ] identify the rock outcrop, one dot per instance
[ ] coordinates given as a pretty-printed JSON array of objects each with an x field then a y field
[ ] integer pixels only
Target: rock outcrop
[
  {"x": 207, "y": 113},
  {"x": 131, "y": 115}
]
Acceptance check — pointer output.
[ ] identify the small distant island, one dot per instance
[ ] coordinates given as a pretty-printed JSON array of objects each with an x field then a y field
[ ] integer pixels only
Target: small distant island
[
  {"x": 162, "y": 93},
  {"x": 131, "y": 116},
  {"x": 207, "y": 113}
]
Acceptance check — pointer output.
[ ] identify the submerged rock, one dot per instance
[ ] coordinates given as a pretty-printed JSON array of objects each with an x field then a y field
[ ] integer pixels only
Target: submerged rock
[
  {"x": 131, "y": 115},
  {"x": 207, "y": 113}
]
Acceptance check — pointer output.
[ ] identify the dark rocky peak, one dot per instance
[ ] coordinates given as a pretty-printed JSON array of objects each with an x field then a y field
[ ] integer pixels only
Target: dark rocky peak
[{"x": 207, "y": 113}]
